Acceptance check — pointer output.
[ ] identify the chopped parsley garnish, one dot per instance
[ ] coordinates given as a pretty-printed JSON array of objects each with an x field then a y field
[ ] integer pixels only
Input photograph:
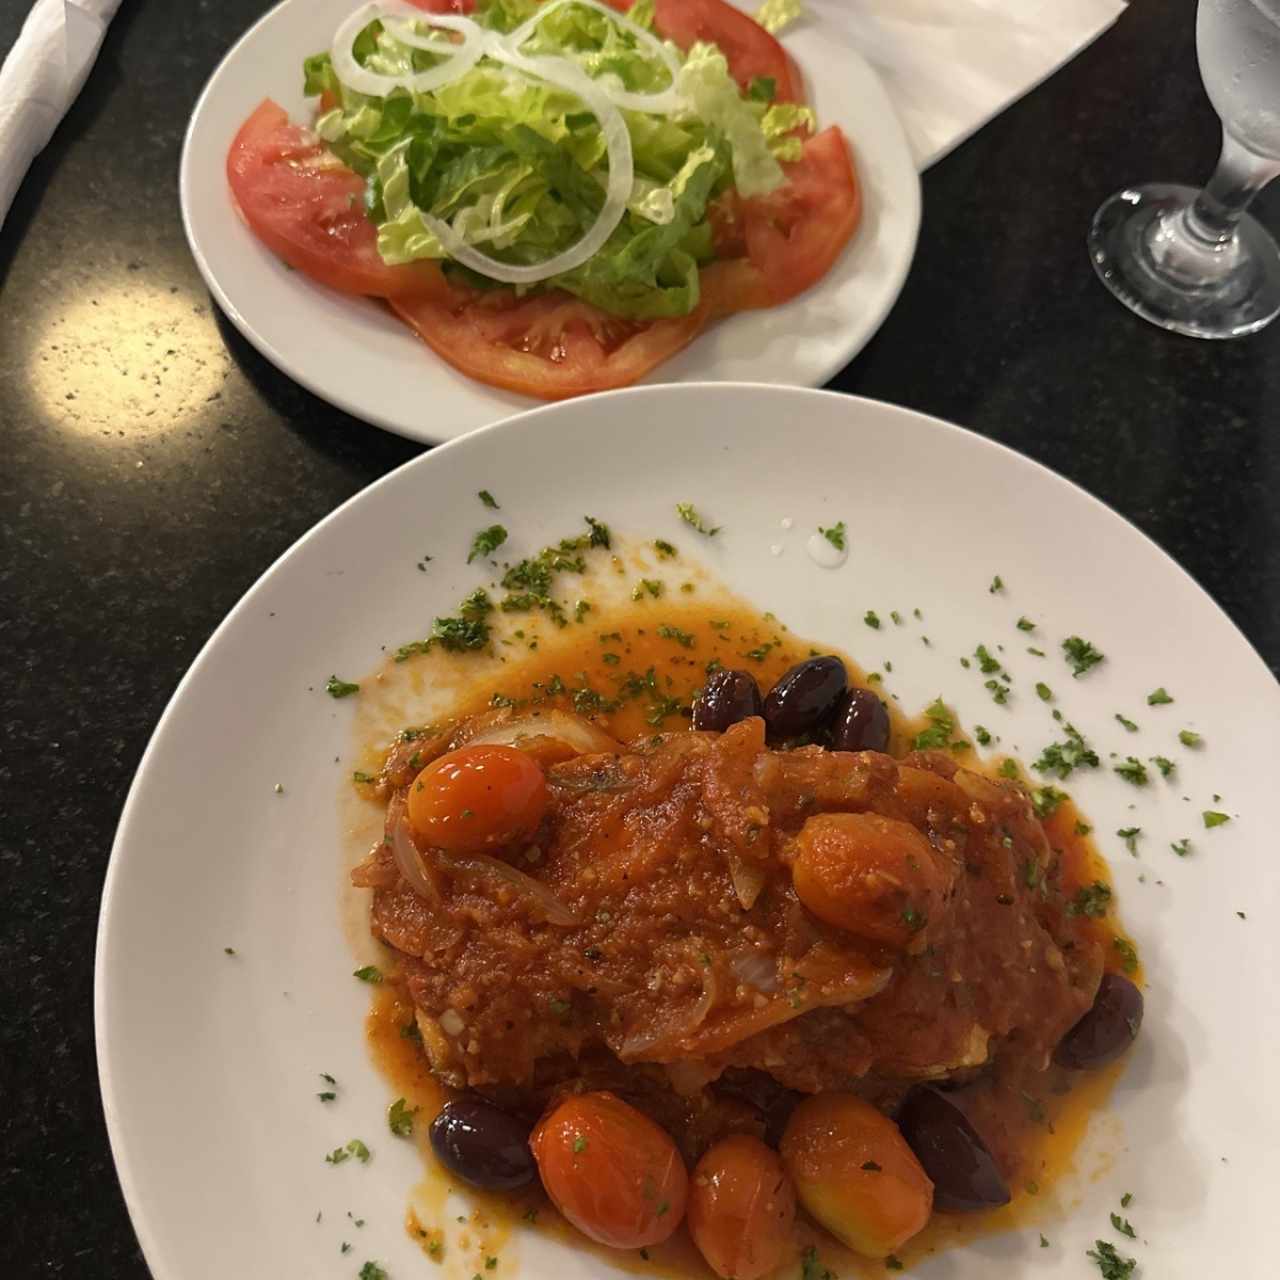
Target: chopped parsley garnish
[
  {"x": 1036, "y": 653},
  {"x": 359, "y": 775},
  {"x": 490, "y": 1263},
  {"x": 896, "y": 616},
  {"x": 353, "y": 1148},
  {"x": 647, "y": 586},
  {"x": 1110, "y": 1263},
  {"x": 1009, "y": 768},
  {"x": 1123, "y": 1226},
  {"x": 834, "y": 535},
  {"x": 488, "y": 499},
  {"x": 530, "y": 1215},
  {"x": 664, "y": 548},
  {"x": 1128, "y": 959},
  {"x": 487, "y": 541},
  {"x": 561, "y": 1008},
  {"x": 579, "y": 1144},
  {"x": 345, "y": 1248},
  {"x": 1212, "y": 818},
  {"x": 762, "y": 88},
  {"x": 1130, "y": 837},
  {"x": 986, "y": 663},
  {"x": 1080, "y": 655},
  {"x": 461, "y": 633},
  {"x": 1044, "y": 1244},
  {"x": 683, "y": 638},
  {"x": 1128, "y": 724},
  {"x": 941, "y": 727},
  {"x": 400, "y": 1118},
  {"x": 1189, "y": 738},
  {"x": 229, "y": 950},
  {"x": 893, "y": 1262},
  {"x": 327, "y": 1096},
  {"x": 812, "y": 1268},
  {"x": 1092, "y": 900},
  {"x": 1025, "y": 624},
  {"x": 999, "y": 692},
  {"x": 913, "y": 919},
  {"x": 1164, "y": 764},
  {"x": 1043, "y": 692},
  {"x": 689, "y": 514},
  {"x": 1133, "y": 770},
  {"x": 336, "y": 688},
  {"x": 1046, "y": 801},
  {"x": 370, "y": 973},
  {"x": 1181, "y": 847},
  {"x": 983, "y": 735},
  {"x": 1064, "y": 757},
  {"x": 599, "y": 535},
  {"x": 1126, "y": 1200},
  {"x": 997, "y": 584},
  {"x": 410, "y": 1031},
  {"x": 1082, "y": 828},
  {"x": 871, "y": 619},
  {"x": 372, "y": 1271},
  {"x": 1158, "y": 697}
]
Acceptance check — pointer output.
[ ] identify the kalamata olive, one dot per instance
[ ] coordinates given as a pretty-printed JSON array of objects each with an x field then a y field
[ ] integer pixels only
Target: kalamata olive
[
  {"x": 483, "y": 1145},
  {"x": 1107, "y": 1030},
  {"x": 729, "y": 696},
  {"x": 805, "y": 698},
  {"x": 861, "y": 723},
  {"x": 964, "y": 1172}
]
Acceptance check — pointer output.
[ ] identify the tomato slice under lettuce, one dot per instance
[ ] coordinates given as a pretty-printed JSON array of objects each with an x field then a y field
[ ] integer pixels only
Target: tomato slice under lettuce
[{"x": 307, "y": 207}]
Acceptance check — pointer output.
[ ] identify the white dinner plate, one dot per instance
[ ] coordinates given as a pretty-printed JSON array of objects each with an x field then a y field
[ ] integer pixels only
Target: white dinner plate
[
  {"x": 210, "y": 1062},
  {"x": 355, "y": 353}
]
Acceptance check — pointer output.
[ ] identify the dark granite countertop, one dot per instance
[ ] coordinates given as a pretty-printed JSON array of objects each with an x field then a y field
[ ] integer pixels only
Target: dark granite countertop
[{"x": 152, "y": 465}]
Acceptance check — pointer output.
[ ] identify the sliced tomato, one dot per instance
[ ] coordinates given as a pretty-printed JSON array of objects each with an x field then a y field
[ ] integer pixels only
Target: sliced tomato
[
  {"x": 307, "y": 207},
  {"x": 445, "y": 6},
  {"x": 792, "y": 236},
  {"x": 750, "y": 49},
  {"x": 551, "y": 345}
]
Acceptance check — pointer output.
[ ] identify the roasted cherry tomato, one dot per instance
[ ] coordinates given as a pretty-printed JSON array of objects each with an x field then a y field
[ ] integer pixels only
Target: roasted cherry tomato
[
  {"x": 741, "y": 1208},
  {"x": 855, "y": 1173},
  {"x": 477, "y": 798},
  {"x": 611, "y": 1171},
  {"x": 875, "y": 877}
]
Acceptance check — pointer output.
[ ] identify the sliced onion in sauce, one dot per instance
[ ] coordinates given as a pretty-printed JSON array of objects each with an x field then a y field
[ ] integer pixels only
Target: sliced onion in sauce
[
  {"x": 584, "y": 737},
  {"x": 755, "y": 968},
  {"x": 407, "y": 855},
  {"x": 483, "y": 864},
  {"x": 748, "y": 880},
  {"x": 667, "y": 1035}
]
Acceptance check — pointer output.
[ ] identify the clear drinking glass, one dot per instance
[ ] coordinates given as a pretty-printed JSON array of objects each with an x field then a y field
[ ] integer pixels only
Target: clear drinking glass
[{"x": 1196, "y": 261}]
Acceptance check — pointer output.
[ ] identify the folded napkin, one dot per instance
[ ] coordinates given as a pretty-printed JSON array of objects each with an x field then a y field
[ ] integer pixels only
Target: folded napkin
[
  {"x": 948, "y": 65},
  {"x": 41, "y": 77}
]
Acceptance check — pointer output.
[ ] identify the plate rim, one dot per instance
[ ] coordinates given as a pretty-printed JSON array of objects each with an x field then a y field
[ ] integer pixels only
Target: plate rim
[
  {"x": 118, "y": 1138},
  {"x": 912, "y": 213}
]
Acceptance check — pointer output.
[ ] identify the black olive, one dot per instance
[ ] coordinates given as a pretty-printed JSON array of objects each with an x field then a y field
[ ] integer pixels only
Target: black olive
[
  {"x": 1107, "y": 1030},
  {"x": 483, "y": 1145},
  {"x": 861, "y": 723},
  {"x": 805, "y": 698},
  {"x": 964, "y": 1172},
  {"x": 729, "y": 696}
]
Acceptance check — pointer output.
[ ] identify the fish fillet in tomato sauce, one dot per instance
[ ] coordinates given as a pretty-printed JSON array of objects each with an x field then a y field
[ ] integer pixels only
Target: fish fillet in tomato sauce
[{"x": 649, "y": 939}]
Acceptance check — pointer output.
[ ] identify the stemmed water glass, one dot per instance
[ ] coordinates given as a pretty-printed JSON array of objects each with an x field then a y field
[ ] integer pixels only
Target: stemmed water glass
[{"x": 1196, "y": 261}]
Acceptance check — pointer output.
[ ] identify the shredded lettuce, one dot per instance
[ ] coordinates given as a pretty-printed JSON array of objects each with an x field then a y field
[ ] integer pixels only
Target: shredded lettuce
[
  {"x": 773, "y": 15},
  {"x": 518, "y": 166}
]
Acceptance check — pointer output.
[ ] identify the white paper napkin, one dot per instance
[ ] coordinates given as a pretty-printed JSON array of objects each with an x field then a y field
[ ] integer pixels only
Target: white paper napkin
[
  {"x": 948, "y": 65},
  {"x": 951, "y": 65},
  {"x": 41, "y": 77}
]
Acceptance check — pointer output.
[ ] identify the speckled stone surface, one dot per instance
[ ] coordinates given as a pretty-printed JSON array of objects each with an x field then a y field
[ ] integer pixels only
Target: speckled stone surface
[{"x": 152, "y": 466}]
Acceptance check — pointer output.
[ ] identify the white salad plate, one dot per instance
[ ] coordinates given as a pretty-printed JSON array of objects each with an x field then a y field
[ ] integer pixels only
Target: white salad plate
[
  {"x": 210, "y": 1061},
  {"x": 357, "y": 355}
]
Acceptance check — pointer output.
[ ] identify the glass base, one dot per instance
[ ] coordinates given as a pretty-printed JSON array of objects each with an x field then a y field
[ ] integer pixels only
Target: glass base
[{"x": 1146, "y": 255}]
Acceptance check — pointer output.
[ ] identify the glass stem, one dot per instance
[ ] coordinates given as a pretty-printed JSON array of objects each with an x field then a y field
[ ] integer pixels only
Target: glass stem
[{"x": 1240, "y": 175}]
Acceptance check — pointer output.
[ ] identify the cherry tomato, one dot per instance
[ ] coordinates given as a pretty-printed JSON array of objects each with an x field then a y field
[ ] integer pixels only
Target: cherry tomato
[
  {"x": 742, "y": 1207},
  {"x": 855, "y": 1173},
  {"x": 611, "y": 1171},
  {"x": 872, "y": 876},
  {"x": 477, "y": 798}
]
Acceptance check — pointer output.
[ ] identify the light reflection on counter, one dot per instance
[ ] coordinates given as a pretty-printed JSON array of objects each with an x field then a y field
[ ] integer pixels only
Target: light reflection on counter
[{"x": 132, "y": 360}]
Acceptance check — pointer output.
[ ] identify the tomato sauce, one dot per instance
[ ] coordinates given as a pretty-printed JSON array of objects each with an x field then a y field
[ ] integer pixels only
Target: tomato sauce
[{"x": 674, "y": 637}]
